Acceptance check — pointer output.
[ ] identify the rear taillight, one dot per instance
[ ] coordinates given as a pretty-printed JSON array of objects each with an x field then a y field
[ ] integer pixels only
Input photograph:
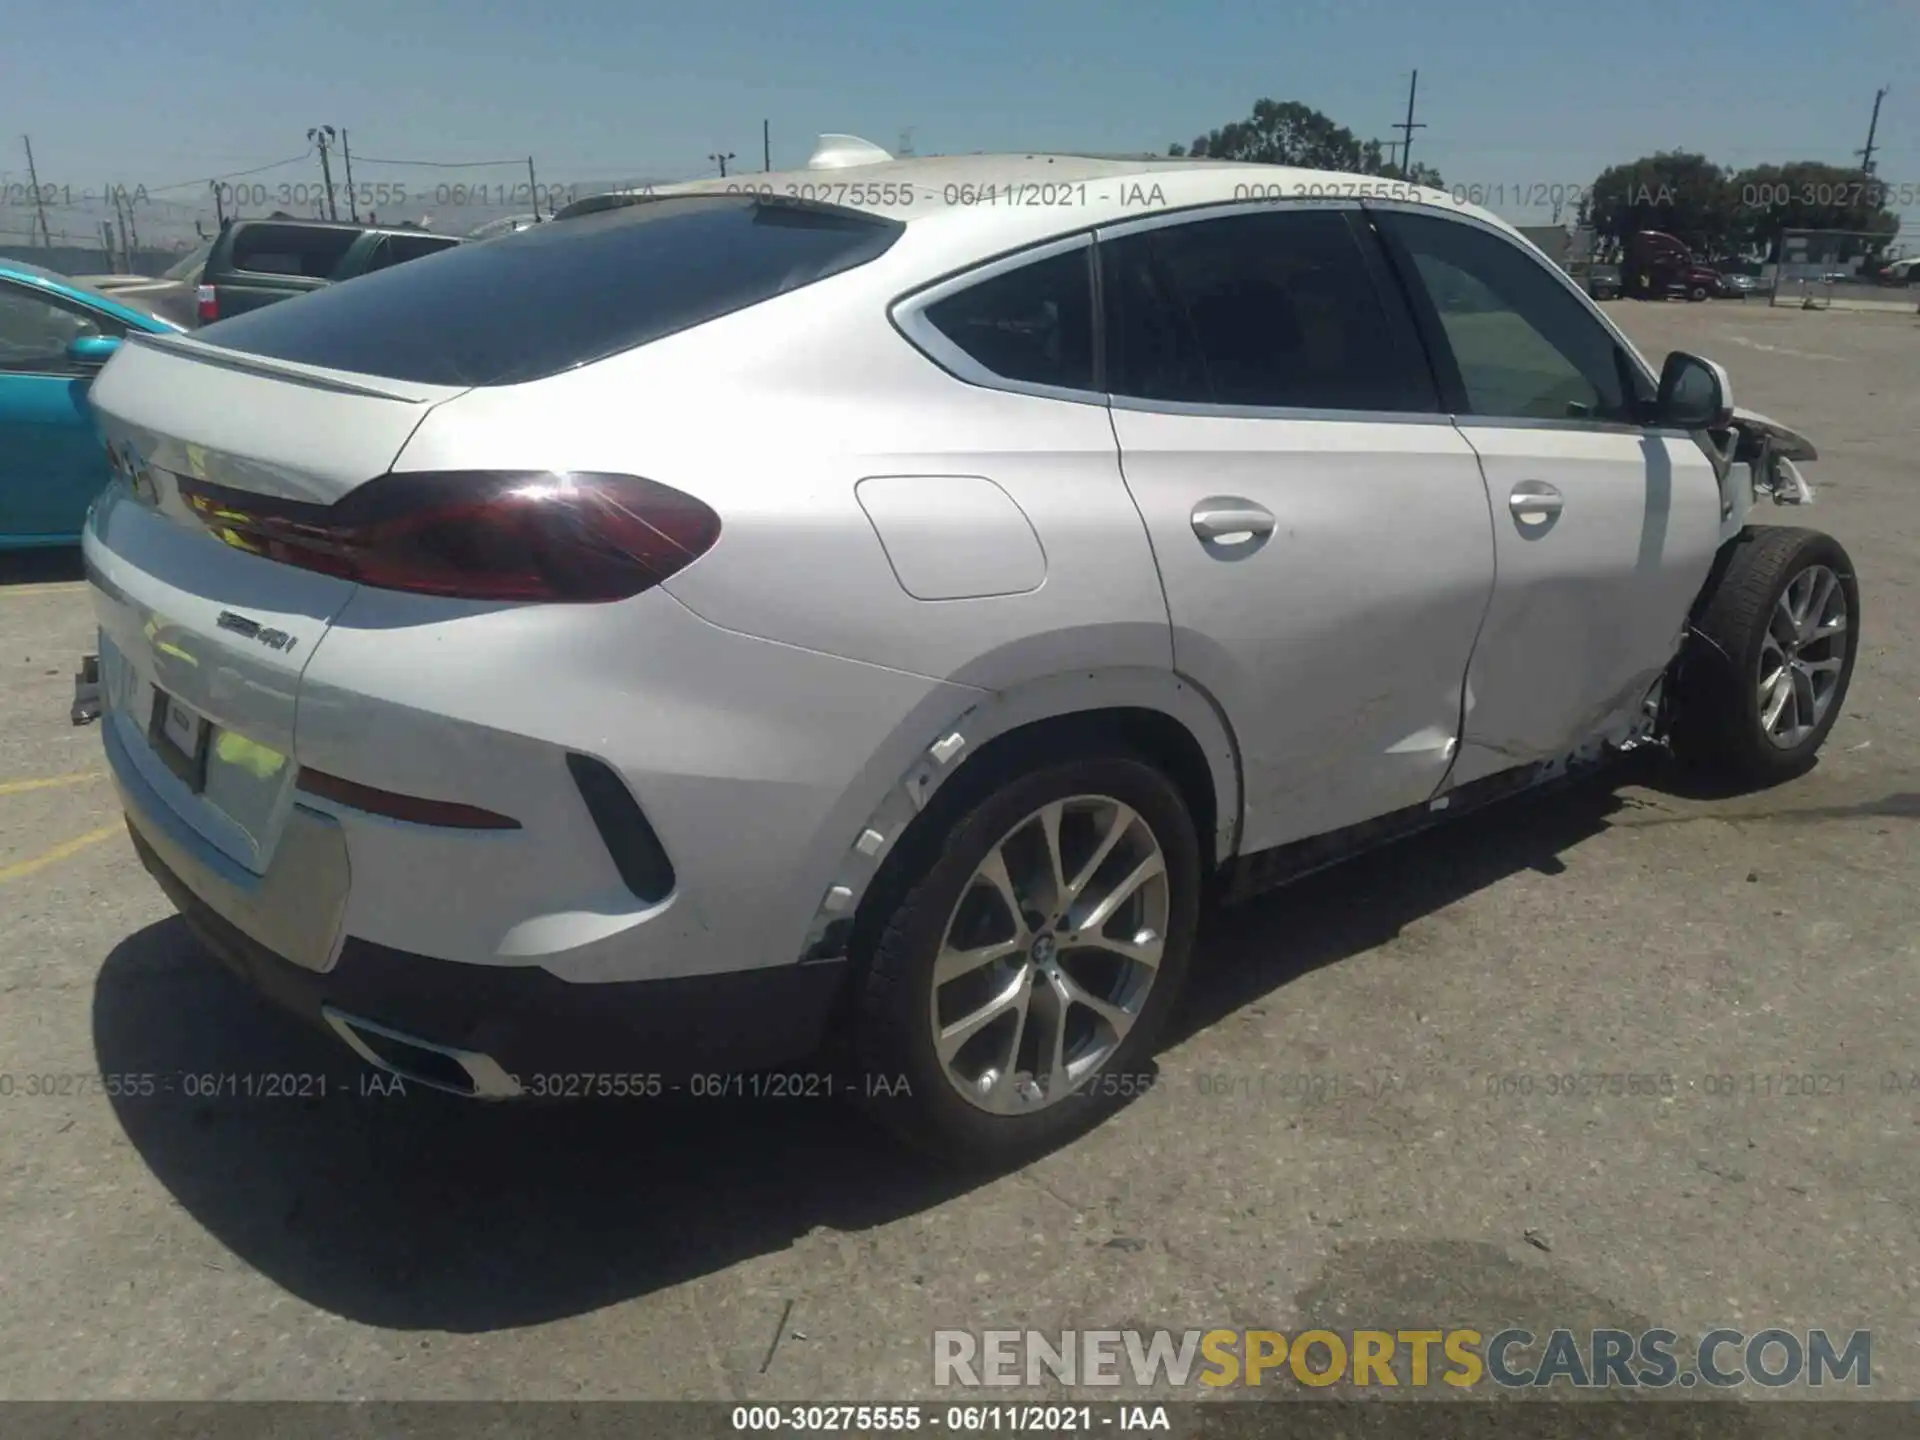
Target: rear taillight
[
  {"x": 206, "y": 301},
  {"x": 476, "y": 535}
]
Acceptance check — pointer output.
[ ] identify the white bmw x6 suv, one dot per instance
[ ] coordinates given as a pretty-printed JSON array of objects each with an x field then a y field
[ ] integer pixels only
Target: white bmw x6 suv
[{"x": 874, "y": 607}]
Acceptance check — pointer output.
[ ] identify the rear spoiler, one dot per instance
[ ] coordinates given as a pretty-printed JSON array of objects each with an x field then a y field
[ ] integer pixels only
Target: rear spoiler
[{"x": 313, "y": 376}]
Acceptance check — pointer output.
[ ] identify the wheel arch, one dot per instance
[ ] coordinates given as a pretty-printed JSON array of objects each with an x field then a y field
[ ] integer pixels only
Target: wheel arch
[{"x": 1157, "y": 714}]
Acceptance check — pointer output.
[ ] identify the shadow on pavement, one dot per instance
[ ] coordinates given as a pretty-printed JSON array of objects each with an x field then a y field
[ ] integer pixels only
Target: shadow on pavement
[
  {"x": 41, "y": 567},
  {"x": 425, "y": 1211}
]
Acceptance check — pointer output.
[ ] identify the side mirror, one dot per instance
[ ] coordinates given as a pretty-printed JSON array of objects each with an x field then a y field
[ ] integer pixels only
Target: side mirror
[
  {"x": 90, "y": 352},
  {"x": 1695, "y": 394}
]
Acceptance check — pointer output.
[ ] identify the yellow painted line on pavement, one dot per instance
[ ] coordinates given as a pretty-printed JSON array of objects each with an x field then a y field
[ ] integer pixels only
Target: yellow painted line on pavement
[
  {"x": 63, "y": 587},
  {"x": 52, "y": 782},
  {"x": 59, "y": 852}
]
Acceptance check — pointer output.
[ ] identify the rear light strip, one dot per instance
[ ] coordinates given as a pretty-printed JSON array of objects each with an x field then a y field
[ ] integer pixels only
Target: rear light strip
[
  {"x": 477, "y": 535},
  {"x": 206, "y": 304},
  {"x": 412, "y": 808}
]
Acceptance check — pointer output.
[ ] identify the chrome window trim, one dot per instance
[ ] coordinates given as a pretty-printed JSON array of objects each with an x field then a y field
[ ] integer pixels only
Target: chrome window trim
[
  {"x": 909, "y": 316},
  {"x": 1204, "y": 411},
  {"x": 1221, "y": 210},
  {"x": 1533, "y": 254}
]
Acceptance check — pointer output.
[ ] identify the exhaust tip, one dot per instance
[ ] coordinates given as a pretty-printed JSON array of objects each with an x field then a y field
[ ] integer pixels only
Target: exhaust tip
[{"x": 438, "y": 1067}]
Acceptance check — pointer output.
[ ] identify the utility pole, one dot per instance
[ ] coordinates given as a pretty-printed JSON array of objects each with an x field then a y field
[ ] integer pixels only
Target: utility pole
[
  {"x": 106, "y": 237},
  {"x": 1407, "y": 127},
  {"x": 346, "y": 156},
  {"x": 533, "y": 190},
  {"x": 906, "y": 142},
  {"x": 1873, "y": 125},
  {"x": 322, "y": 136},
  {"x": 39, "y": 200},
  {"x": 219, "y": 209},
  {"x": 721, "y": 161},
  {"x": 766, "y": 145},
  {"x": 133, "y": 230}
]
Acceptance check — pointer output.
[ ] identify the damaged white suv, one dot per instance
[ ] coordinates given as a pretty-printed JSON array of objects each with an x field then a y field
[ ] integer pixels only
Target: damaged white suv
[{"x": 866, "y": 606}]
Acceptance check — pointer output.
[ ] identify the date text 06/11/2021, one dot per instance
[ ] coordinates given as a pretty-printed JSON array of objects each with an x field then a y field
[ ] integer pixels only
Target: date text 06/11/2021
[{"x": 1043, "y": 1419}]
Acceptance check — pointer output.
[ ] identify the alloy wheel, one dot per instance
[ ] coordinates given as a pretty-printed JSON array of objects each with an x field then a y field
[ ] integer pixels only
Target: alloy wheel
[
  {"x": 1802, "y": 656},
  {"x": 1049, "y": 954}
]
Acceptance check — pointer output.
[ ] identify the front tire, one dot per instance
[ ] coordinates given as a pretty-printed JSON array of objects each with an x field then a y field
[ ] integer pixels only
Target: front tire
[
  {"x": 1020, "y": 979},
  {"x": 1766, "y": 669}
]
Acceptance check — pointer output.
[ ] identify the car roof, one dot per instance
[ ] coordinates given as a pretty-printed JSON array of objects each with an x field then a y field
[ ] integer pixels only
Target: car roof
[
  {"x": 64, "y": 285},
  {"x": 1016, "y": 199},
  {"x": 358, "y": 227}
]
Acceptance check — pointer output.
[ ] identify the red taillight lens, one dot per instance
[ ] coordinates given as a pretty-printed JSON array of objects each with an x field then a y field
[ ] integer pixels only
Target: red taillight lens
[
  {"x": 477, "y": 535},
  {"x": 207, "y": 302}
]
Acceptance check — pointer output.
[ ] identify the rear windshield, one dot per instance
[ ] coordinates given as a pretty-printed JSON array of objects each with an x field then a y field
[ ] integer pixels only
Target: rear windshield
[
  {"x": 290, "y": 249},
  {"x": 562, "y": 294}
]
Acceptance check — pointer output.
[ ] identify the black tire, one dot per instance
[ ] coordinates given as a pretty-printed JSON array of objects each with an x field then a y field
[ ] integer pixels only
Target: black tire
[
  {"x": 893, "y": 1037},
  {"x": 1717, "y": 724},
  {"x": 1696, "y": 294}
]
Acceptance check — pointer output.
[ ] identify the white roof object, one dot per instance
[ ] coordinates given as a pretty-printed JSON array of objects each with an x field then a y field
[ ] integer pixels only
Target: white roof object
[{"x": 840, "y": 152}]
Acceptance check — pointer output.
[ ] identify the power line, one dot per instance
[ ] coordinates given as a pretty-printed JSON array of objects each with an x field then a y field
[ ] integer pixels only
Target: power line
[
  {"x": 231, "y": 175},
  {"x": 443, "y": 164}
]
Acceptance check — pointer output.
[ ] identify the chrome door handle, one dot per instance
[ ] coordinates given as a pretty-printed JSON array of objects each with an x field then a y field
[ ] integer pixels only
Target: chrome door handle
[
  {"x": 1231, "y": 521},
  {"x": 1534, "y": 498}
]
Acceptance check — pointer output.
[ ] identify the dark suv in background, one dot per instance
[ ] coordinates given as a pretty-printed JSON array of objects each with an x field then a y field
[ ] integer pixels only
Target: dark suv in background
[{"x": 256, "y": 262}]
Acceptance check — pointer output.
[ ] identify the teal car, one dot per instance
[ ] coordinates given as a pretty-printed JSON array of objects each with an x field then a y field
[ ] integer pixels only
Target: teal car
[{"x": 55, "y": 334}]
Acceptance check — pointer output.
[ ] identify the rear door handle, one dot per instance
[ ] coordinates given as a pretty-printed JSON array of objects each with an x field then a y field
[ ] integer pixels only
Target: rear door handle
[
  {"x": 1231, "y": 521},
  {"x": 1533, "y": 501}
]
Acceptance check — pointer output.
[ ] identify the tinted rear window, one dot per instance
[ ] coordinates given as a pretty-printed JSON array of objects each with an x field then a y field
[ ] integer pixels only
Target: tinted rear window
[
  {"x": 563, "y": 294},
  {"x": 290, "y": 249}
]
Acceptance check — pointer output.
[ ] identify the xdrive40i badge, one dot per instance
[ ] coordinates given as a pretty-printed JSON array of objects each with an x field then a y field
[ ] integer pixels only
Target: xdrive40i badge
[{"x": 253, "y": 630}]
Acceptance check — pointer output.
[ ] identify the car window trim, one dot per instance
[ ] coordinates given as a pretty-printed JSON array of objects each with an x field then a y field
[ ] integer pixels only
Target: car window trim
[
  {"x": 909, "y": 316},
  {"x": 1447, "y": 365},
  {"x": 1393, "y": 308},
  {"x": 58, "y": 301}
]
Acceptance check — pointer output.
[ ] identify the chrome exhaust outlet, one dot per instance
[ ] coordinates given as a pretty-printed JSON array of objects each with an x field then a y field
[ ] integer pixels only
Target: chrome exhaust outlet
[{"x": 435, "y": 1067}]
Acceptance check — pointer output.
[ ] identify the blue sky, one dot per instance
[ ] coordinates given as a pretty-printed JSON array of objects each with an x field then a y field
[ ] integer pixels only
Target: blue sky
[{"x": 1514, "y": 95}]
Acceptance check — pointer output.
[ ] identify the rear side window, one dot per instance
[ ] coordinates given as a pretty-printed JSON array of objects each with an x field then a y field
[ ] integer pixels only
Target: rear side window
[
  {"x": 401, "y": 248},
  {"x": 1033, "y": 324},
  {"x": 1273, "y": 309},
  {"x": 555, "y": 296},
  {"x": 290, "y": 250}
]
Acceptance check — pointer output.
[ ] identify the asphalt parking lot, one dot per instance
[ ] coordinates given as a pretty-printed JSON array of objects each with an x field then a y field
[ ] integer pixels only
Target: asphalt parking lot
[{"x": 1355, "y": 1125}]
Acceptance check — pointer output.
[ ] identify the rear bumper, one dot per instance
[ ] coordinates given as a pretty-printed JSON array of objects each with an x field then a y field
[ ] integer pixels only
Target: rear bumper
[{"x": 535, "y": 1032}]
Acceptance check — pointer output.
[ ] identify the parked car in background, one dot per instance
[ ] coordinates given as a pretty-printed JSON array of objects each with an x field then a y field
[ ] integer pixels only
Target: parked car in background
[
  {"x": 1603, "y": 282},
  {"x": 1737, "y": 286},
  {"x": 257, "y": 262},
  {"x": 1060, "y": 578},
  {"x": 170, "y": 294},
  {"x": 1700, "y": 282},
  {"x": 505, "y": 225},
  {"x": 55, "y": 334}
]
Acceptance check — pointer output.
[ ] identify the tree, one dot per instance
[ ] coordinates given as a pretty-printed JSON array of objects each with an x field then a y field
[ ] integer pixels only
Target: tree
[
  {"x": 1811, "y": 195},
  {"x": 1674, "y": 191},
  {"x": 1286, "y": 132}
]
